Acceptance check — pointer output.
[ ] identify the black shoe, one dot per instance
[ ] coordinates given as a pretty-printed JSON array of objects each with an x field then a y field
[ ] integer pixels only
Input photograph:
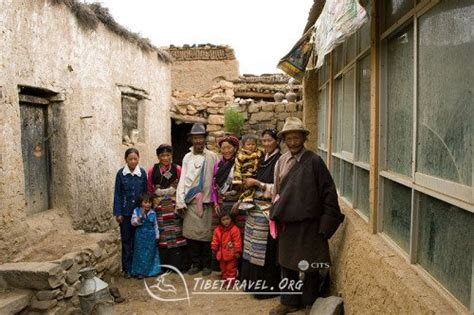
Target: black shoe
[
  {"x": 194, "y": 270},
  {"x": 140, "y": 277},
  {"x": 206, "y": 272},
  {"x": 126, "y": 275}
]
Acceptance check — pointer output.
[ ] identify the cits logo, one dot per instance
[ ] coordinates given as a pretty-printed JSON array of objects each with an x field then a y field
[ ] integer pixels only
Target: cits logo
[
  {"x": 162, "y": 286},
  {"x": 303, "y": 265}
]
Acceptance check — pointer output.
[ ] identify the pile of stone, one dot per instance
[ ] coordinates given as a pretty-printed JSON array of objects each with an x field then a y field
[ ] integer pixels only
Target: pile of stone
[
  {"x": 209, "y": 108},
  {"x": 52, "y": 287}
]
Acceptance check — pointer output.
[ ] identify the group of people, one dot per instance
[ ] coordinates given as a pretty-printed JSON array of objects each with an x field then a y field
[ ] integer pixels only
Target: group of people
[{"x": 262, "y": 215}]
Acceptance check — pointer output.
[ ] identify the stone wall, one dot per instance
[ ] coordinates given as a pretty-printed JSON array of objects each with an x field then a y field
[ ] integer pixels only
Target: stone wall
[
  {"x": 209, "y": 108},
  {"x": 197, "y": 68},
  {"x": 45, "y": 47},
  {"x": 52, "y": 287}
]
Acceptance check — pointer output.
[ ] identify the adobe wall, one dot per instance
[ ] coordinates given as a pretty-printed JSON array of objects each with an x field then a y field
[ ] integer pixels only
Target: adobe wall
[{"x": 44, "y": 46}]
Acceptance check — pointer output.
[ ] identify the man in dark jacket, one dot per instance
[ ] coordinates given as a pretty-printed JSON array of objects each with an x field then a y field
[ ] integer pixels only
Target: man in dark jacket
[{"x": 307, "y": 214}]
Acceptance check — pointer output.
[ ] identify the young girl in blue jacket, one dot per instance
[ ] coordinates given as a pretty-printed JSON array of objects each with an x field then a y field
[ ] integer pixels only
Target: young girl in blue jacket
[{"x": 130, "y": 183}]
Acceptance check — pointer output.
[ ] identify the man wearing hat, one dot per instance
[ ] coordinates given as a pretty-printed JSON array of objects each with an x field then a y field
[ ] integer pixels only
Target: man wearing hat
[
  {"x": 306, "y": 212},
  {"x": 193, "y": 198}
]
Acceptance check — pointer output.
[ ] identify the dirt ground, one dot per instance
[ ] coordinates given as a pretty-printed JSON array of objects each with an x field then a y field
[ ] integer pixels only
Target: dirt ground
[{"x": 139, "y": 302}]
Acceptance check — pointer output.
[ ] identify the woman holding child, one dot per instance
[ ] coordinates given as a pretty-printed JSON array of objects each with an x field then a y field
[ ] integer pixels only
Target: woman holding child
[{"x": 259, "y": 254}]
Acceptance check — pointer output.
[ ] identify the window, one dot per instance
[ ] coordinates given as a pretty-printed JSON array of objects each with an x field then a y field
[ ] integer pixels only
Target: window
[
  {"x": 399, "y": 103},
  {"x": 446, "y": 241},
  {"x": 445, "y": 97},
  {"x": 133, "y": 114}
]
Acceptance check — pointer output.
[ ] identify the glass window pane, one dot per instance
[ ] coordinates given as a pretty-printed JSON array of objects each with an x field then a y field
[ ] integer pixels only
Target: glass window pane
[
  {"x": 337, "y": 107},
  {"x": 446, "y": 240},
  {"x": 347, "y": 170},
  {"x": 348, "y": 112},
  {"x": 364, "y": 32},
  {"x": 363, "y": 191},
  {"x": 397, "y": 213},
  {"x": 338, "y": 59},
  {"x": 445, "y": 97},
  {"x": 363, "y": 108},
  {"x": 395, "y": 9},
  {"x": 350, "y": 48},
  {"x": 323, "y": 155},
  {"x": 400, "y": 102},
  {"x": 322, "y": 118},
  {"x": 336, "y": 172}
]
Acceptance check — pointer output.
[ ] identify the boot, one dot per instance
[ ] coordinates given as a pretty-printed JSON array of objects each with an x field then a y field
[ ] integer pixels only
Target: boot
[{"x": 114, "y": 291}]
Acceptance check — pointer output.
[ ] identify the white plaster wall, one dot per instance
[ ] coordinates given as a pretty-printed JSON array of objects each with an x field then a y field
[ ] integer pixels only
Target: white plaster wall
[{"x": 43, "y": 46}]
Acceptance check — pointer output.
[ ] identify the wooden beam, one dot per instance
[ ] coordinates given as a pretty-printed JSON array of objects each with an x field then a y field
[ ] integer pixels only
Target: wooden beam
[
  {"x": 253, "y": 95},
  {"x": 188, "y": 118},
  {"x": 374, "y": 116},
  {"x": 329, "y": 103},
  {"x": 32, "y": 99}
]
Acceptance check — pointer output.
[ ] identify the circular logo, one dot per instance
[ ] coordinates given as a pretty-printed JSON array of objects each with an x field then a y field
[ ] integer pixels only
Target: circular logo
[{"x": 303, "y": 265}]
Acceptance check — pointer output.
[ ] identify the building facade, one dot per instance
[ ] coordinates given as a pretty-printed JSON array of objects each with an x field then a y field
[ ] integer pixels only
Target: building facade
[{"x": 392, "y": 108}]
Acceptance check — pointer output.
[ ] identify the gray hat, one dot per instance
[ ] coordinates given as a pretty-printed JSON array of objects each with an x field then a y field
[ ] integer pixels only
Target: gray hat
[
  {"x": 293, "y": 124},
  {"x": 198, "y": 129}
]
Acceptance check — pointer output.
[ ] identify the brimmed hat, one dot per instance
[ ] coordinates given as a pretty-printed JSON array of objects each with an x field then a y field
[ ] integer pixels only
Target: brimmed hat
[
  {"x": 293, "y": 124},
  {"x": 198, "y": 129}
]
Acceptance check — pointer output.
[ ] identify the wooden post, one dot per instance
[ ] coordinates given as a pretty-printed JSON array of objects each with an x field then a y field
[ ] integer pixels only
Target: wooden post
[
  {"x": 374, "y": 116},
  {"x": 329, "y": 111}
]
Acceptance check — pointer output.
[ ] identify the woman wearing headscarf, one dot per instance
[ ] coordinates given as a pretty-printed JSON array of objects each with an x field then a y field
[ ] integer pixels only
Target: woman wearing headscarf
[
  {"x": 163, "y": 179},
  {"x": 260, "y": 249}
]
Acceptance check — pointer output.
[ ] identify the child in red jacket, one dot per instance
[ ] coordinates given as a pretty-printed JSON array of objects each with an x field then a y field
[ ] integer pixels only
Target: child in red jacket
[{"x": 227, "y": 246}]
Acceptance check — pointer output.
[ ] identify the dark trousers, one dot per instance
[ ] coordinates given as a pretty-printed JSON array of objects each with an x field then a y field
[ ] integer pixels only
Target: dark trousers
[
  {"x": 200, "y": 253},
  {"x": 127, "y": 236},
  {"x": 309, "y": 290}
]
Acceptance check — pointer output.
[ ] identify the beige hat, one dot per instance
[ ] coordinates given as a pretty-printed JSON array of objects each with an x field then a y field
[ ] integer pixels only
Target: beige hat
[{"x": 293, "y": 124}]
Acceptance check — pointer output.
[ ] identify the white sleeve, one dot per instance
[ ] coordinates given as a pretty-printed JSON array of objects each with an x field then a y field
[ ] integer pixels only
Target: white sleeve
[
  {"x": 134, "y": 220},
  {"x": 180, "y": 204},
  {"x": 157, "y": 230}
]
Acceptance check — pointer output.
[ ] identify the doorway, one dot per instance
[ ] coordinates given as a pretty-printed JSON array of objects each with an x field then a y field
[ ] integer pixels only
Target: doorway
[{"x": 179, "y": 140}]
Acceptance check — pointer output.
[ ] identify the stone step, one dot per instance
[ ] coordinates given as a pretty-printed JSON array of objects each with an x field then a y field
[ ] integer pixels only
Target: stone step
[
  {"x": 31, "y": 275},
  {"x": 13, "y": 301}
]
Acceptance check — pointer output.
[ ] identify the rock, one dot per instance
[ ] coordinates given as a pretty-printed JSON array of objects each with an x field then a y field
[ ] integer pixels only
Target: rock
[
  {"x": 283, "y": 116},
  {"x": 75, "y": 300},
  {"x": 220, "y": 99},
  {"x": 73, "y": 311},
  {"x": 292, "y": 107},
  {"x": 191, "y": 110},
  {"x": 78, "y": 259},
  {"x": 213, "y": 110},
  {"x": 215, "y": 119},
  {"x": 262, "y": 116},
  {"x": 268, "y": 107},
  {"x": 70, "y": 292},
  {"x": 43, "y": 305},
  {"x": 211, "y": 128},
  {"x": 182, "y": 110},
  {"x": 47, "y": 294},
  {"x": 12, "y": 302},
  {"x": 32, "y": 275},
  {"x": 332, "y": 305},
  {"x": 253, "y": 108},
  {"x": 72, "y": 274},
  {"x": 280, "y": 107}
]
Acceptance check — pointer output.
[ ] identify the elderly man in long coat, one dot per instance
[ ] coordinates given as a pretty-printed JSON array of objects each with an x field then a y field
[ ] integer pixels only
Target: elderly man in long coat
[
  {"x": 306, "y": 213},
  {"x": 193, "y": 198}
]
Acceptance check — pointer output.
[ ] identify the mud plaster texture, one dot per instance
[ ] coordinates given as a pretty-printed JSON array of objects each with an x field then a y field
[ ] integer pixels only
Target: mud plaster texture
[
  {"x": 46, "y": 48},
  {"x": 373, "y": 278}
]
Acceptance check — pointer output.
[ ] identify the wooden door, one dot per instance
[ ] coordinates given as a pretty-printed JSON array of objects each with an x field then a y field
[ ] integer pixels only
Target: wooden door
[{"x": 35, "y": 149}]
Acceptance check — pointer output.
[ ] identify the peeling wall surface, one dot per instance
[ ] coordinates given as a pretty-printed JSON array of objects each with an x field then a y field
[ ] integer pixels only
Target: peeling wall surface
[{"x": 43, "y": 46}]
